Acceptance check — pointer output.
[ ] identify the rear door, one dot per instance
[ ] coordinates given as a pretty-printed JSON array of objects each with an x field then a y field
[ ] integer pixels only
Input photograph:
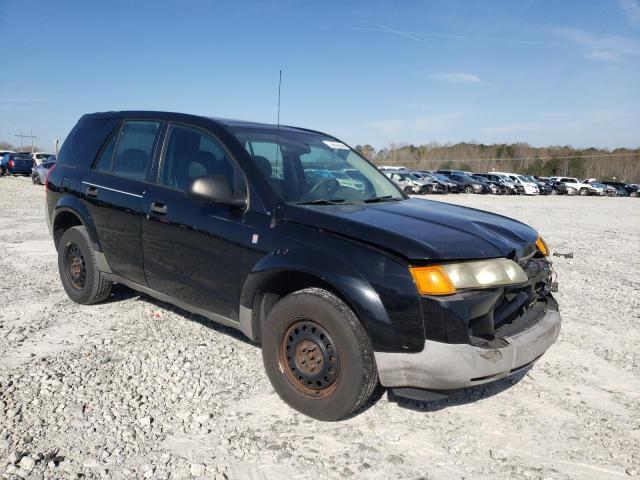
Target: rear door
[
  {"x": 113, "y": 191},
  {"x": 192, "y": 248}
]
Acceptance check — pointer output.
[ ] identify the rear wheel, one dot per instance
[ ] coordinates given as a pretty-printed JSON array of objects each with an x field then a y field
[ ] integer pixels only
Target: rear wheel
[
  {"x": 468, "y": 189},
  {"x": 77, "y": 265},
  {"x": 408, "y": 189},
  {"x": 318, "y": 356},
  {"x": 554, "y": 191}
]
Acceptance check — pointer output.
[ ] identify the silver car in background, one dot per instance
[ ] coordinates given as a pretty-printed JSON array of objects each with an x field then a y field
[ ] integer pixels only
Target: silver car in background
[{"x": 39, "y": 174}]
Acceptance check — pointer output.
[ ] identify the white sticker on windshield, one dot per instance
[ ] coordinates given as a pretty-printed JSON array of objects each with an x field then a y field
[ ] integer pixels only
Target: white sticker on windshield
[{"x": 336, "y": 145}]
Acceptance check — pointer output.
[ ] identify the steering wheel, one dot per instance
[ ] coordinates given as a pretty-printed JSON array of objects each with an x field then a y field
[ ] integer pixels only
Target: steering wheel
[{"x": 321, "y": 183}]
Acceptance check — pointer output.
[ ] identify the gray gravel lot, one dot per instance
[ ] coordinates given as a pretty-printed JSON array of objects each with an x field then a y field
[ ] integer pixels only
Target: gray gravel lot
[{"x": 134, "y": 388}]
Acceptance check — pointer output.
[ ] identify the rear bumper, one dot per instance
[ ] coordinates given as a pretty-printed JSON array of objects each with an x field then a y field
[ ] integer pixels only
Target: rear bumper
[{"x": 443, "y": 366}]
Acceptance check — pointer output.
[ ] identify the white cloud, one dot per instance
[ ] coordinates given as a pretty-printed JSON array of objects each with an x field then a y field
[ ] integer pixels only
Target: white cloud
[
  {"x": 607, "y": 48},
  {"x": 632, "y": 9},
  {"x": 455, "y": 77}
]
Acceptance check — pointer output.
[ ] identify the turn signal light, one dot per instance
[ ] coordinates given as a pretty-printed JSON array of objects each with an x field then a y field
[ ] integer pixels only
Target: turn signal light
[
  {"x": 432, "y": 280},
  {"x": 541, "y": 245}
]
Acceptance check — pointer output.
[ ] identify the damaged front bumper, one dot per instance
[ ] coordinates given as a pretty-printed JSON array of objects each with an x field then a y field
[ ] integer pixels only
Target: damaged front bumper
[{"x": 445, "y": 366}]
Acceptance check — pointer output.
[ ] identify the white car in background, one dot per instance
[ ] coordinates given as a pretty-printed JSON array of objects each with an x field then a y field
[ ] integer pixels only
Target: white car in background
[
  {"x": 396, "y": 168},
  {"x": 578, "y": 185},
  {"x": 40, "y": 157},
  {"x": 530, "y": 187}
]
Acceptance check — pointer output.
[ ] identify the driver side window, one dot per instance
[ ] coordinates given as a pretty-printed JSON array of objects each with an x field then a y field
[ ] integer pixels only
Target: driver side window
[{"x": 191, "y": 153}]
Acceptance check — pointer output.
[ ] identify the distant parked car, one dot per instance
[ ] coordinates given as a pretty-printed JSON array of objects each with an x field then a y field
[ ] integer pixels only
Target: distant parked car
[
  {"x": 409, "y": 182},
  {"x": 388, "y": 168},
  {"x": 16, "y": 164},
  {"x": 439, "y": 186},
  {"x": 495, "y": 187},
  {"x": 40, "y": 157},
  {"x": 452, "y": 185},
  {"x": 555, "y": 187},
  {"x": 632, "y": 190},
  {"x": 529, "y": 186},
  {"x": 578, "y": 185},
  {"x": 469, "y": 184},
  {"x": 4, "y": 152},
  {"x": 433, "y": 185},
  {"x": 40, "y": 172},
  {"x": 510, "y": 187}
]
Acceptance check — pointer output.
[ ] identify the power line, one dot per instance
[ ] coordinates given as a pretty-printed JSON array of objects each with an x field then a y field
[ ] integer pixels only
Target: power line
[{"x": 32, "y": 137}]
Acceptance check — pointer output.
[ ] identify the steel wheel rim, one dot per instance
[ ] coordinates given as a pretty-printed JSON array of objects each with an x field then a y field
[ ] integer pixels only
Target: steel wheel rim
[
  {"x": 75, "y": 266},
  {"x": 309, "y": 359}
]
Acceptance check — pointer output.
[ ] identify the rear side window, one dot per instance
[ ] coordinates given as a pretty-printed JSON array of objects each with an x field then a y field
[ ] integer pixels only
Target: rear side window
[
  {"x": 84, "y": 141},
  {"x": 135, "y": 148},
  {"x": 106, "y": 156}
]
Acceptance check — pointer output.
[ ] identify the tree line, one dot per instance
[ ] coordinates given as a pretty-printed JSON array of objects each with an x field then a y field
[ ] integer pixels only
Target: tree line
[{"x": 621, "y": 163}]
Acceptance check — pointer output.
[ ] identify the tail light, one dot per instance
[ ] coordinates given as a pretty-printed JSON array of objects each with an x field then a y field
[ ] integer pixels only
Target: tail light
[
  {"x": 11, "y": 164},
  {"x": 46, "y": 180}
]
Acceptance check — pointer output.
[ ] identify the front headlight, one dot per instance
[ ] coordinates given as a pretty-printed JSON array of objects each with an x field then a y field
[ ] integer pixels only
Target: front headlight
[{"x": 447, "y": 278}]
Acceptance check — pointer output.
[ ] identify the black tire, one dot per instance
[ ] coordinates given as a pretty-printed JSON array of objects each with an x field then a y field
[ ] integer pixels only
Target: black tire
[
  {"x": 408, "y": 190},
  {"x": 553, "y": 191},
  {"x": 468, "y": 189},
  {"x": 34, "y": 179},
  {"x": 77, "y": 265},
  {"x": 346, "y": 375},
  {"x": 584, "y": 192}
]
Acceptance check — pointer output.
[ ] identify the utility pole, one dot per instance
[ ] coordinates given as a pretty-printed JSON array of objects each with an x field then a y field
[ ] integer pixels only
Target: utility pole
[{"x": 25, "y": 136}]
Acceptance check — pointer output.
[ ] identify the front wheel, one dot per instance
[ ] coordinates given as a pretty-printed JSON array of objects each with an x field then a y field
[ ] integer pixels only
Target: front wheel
[
  {"x": 77, "y": 265},
  {"x": 584, "y": 192},
  {"x": 468, "y": 189},
  {"x": 318, "y": 356}
]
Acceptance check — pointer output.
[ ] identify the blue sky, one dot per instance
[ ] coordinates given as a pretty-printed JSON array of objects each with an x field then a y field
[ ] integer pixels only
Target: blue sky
[{"x": 543, "y": 72}]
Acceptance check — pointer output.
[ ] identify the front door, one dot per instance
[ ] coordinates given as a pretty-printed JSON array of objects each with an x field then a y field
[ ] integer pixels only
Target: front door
[{"x": 193, "y": 248}]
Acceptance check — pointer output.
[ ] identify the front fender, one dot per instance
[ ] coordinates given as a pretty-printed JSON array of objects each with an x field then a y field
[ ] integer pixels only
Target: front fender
[{"x": 393, "y": 324}]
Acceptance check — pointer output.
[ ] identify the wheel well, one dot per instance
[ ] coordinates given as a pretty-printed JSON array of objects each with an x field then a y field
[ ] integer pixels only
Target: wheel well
[
  {"x": 64, "y": 221},
  {"x": 280, "y": 285}
]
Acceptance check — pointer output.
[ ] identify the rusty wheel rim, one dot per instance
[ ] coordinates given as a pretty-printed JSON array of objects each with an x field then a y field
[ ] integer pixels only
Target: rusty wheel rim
[
  {"x": 76, "y": 267},
  {"x": 309, "y": 359}
]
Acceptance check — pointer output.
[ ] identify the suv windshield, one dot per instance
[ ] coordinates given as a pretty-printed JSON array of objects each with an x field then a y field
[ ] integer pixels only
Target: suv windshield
[{"x": 307, "y": 167}]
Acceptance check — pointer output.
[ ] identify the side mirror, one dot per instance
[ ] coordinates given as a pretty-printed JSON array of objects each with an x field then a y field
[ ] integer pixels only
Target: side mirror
[{"x": 215, "y": 189}]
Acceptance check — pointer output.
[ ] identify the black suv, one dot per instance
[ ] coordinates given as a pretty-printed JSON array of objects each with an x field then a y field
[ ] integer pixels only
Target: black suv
[{"x": 345, "y": 285}]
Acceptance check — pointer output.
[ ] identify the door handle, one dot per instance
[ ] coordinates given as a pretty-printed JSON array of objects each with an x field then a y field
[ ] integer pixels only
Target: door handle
[
  {"x": 92, "y": 191},
  {"x": 159, "y": 208}
]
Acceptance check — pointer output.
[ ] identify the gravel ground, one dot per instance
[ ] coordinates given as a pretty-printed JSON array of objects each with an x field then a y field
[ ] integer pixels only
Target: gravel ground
[{"x": 134, "y": 388}]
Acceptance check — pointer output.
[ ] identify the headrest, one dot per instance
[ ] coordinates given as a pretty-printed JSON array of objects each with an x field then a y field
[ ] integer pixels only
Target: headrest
[{"x": 263, "y": 165}]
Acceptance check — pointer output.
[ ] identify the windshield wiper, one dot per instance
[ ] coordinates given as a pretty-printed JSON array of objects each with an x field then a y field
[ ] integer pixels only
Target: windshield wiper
[
  {"x": 382, "y": 199},
  {"x": 322, "y": 201}
]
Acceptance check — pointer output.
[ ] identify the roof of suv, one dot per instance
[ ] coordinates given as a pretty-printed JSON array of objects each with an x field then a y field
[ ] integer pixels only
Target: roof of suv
[{"x": 227, "y": 122}]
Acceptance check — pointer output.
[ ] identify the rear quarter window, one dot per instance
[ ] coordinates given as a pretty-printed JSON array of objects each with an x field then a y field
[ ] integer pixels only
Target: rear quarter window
[{"x": 85, "y": 140}]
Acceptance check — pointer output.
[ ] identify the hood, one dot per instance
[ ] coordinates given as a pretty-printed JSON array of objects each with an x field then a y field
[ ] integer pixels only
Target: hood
[{"x": 422, "y": 229}]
